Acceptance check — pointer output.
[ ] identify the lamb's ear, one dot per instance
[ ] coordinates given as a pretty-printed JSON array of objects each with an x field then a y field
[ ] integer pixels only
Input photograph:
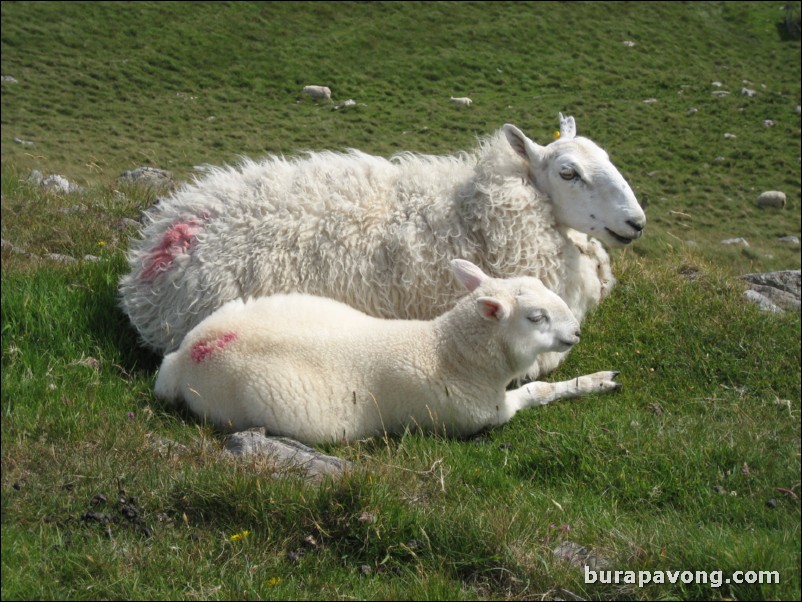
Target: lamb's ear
[
  {"x": 567, "y": 127},
  {"x": 469, "y": 275},
  {"x": 522, "y": 145},
  {"x": 492, "y": 308}
]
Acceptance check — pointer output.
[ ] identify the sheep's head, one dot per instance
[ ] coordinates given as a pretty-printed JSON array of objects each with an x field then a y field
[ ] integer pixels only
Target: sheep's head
[
  {"x": 587, "y": 192},
  {"x": 531, "y": 318}
]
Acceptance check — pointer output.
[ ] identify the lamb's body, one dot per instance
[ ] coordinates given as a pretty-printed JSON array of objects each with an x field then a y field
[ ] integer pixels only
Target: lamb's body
[
  {"x": 373, "y": 233},
  {"x": 317, "y": 370}
]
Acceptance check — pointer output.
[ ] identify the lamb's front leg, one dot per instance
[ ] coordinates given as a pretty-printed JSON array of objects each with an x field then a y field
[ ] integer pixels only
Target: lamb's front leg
[{"x": 540, "y": 393}]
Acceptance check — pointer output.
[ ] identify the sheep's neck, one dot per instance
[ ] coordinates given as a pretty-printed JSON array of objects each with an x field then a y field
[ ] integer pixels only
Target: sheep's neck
[{"x": 471, "y": 356}]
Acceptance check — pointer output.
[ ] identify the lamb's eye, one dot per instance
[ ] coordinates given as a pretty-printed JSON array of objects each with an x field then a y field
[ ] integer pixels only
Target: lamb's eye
[
  {"x": 538, "y": 318},
  {"x": 568, "y": 173}
]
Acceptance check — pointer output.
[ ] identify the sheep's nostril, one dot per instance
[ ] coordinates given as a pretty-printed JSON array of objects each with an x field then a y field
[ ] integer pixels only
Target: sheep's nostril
[{"x": 637, "y": 226}]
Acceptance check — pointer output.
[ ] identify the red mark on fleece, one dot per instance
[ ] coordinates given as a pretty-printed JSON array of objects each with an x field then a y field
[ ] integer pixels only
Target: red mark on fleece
[
  {"x": 176, "y": 241},
  {"x": 202, "y": 350}
]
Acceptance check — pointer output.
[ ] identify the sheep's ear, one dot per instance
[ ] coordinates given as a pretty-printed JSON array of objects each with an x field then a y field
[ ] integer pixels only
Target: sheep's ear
[
  {"x": 567, "y": 127},
  {"x": 469, "y": 275},
  {"x": 522, "y": 145},
  {"x": 492, "y": 308}
]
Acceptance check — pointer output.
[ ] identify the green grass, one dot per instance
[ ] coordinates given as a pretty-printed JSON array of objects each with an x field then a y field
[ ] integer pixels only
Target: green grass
[{"x": 689, "y": 467}]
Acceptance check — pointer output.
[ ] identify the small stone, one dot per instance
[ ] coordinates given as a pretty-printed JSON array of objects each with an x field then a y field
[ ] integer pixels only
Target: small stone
[
  {"x": 147, "y": 176},
  {"x": 735, "y": 241},
  {"x": 295, "y": 555}
]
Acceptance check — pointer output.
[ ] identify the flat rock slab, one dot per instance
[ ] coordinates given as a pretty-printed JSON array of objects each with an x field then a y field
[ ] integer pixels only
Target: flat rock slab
[
  {"x": 789, "y": 281},
  {"x": 287, "y": 454},
  {"x": 775, "y": 291}
]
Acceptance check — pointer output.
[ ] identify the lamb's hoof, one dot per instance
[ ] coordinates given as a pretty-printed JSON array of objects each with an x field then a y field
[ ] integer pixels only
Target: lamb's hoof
[{"x": 604, "y": 382}]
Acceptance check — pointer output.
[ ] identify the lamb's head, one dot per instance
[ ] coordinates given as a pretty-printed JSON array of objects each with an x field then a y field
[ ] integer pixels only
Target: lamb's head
[
  {"x": 587, "y": 192},
  {"x": 530, "y": 318}
]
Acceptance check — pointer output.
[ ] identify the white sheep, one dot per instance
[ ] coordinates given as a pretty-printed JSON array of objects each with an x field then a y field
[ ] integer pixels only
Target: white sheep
[
  {"x": 377, "y": 234},
  {"x": 318, "y": 92},
  {"x": 319, "y": 371},
  {"x": 463, "y": 101}
]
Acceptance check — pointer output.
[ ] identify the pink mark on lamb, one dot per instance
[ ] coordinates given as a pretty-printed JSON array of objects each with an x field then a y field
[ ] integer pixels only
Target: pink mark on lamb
[
  {"x": 176, "y": 241},
  {"x": 203, "y": 350}
]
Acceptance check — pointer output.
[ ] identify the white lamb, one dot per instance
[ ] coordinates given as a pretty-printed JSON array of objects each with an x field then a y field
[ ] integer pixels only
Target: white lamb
[
  {"x": 319, "y": 371},
  {"x": 377, "y": 234},
  {"x": 318, "y": 92}
]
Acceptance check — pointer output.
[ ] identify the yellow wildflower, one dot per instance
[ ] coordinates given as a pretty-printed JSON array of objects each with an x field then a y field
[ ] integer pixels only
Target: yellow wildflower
[{"x": 240, "y": 536}]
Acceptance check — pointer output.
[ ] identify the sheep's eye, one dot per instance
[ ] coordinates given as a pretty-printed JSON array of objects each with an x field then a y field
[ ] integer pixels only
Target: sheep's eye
[
  {"x": 538, "y": 318},
  {"x": 568, "y": 173}
]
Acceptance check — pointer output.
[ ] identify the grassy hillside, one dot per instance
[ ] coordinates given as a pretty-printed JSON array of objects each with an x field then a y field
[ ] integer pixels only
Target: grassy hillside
[
  {"x": 175, "y": 85},
  {"x": 694, "y": 465}
]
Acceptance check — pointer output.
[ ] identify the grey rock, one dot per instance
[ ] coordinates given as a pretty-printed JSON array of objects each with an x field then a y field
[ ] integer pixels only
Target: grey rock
[
  {"x": 166, "y": 446},
  {"x": 147, "y": 176},
  {"x": 775, "y": 291},
  {"x": 289, "y": 455},
  {"x": 778, "y": 297},
  {"x": 762, "y": 301},
  {"x": 60, "y": 258},
  {"x": 10, "y": 247},
  {"x": 579, "y": 555},
  {"x": 789, "y": 281},
  {"x": 8, "y": 79},
  {"x": 126, "y": 222},
  {"x": 346, "y": 104},
  {"x": 735, "y": 241},
  {"x": 54, "y": 182}
]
